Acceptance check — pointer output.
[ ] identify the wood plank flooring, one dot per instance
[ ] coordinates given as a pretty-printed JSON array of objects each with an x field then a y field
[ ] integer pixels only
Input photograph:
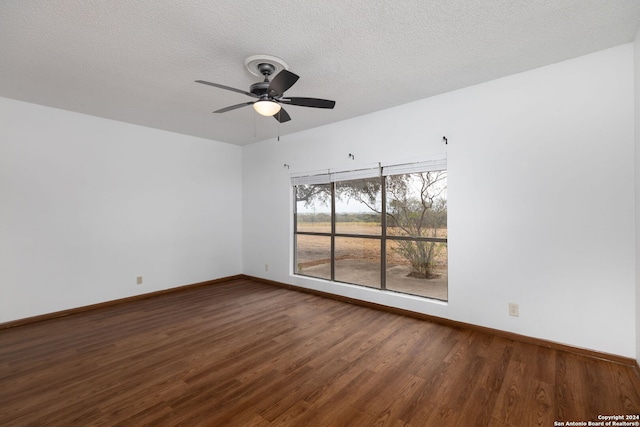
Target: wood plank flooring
[{"x": 243, "y": 353}]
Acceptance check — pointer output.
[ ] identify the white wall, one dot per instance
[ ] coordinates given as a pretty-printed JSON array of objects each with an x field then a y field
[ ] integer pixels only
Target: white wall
[
  {"x": 88, "y": 204},
  {"x": 636, "y": 57},
  {"x": 541, "y": 198}
]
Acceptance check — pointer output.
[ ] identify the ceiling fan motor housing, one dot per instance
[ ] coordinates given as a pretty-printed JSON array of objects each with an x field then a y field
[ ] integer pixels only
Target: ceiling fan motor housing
[{"x": 260, "y": 88}]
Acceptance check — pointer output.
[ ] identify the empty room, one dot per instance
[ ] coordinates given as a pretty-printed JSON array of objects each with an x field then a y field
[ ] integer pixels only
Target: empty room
[{"x": 237, "y": 213}]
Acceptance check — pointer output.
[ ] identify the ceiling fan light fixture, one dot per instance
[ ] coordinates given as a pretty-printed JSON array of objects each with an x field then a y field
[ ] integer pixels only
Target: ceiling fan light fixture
[{"x": 266, "y": 108}]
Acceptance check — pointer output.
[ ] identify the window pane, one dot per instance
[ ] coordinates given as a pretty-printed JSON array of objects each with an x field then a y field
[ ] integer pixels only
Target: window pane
[
  {"x": 418, "y": 268},
  {"x": 417, "y": 204},
  {"x": 313, "y": 256},
  {"x": 359, "y": 206},
  {"x": 313, "y": 207},
  {"x": 358, "y": 261}
]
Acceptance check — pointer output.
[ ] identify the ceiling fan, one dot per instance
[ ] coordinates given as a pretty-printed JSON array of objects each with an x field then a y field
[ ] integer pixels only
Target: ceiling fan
[{"x": 270, "y": 94}]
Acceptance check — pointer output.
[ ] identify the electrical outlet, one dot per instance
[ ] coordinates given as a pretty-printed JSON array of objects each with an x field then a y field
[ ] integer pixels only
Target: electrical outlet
[
  {"x": 266, "y": 267},
  {"x": 514, "y": 310},
  {"x": 139, "y": 280}
]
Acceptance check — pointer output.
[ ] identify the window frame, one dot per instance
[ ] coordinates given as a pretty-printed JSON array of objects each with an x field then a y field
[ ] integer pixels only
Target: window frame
[{"x": 383, "y": 237}]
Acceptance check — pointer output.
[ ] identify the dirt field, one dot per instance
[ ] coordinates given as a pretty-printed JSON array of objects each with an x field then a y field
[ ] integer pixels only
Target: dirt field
[
  {"x": 360, "y": 228},
  {"x": 315, "y": 249},
  {"x": 358, "y": 260}
]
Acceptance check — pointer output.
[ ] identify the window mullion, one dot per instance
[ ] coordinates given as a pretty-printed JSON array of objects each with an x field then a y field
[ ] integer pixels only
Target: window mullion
[
  {"x": 295, "y": 229},
  {"x": 333, "y": 231},
  {"x": 383, "y": 235}
]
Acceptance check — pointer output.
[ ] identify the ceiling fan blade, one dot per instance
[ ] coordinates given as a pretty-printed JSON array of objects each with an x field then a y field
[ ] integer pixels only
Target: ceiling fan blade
[
  {"x": 309, "y": 102},
  {"x": 233, "y": 107},
  {"x": 282, "y": 116},
  {"x": 232, "y": 89},
  {"x": 281, "y": 82}
]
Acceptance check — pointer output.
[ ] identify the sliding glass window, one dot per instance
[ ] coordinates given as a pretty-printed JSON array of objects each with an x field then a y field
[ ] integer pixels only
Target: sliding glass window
[{"x": 386, "y": 228}]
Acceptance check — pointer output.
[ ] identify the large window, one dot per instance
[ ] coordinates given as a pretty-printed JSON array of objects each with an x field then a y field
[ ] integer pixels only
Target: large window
[{"x": 384, "y": 228}]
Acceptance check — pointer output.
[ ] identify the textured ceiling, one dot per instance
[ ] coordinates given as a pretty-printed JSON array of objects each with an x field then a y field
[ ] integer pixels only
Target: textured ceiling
[{"x": 136, "y": 60}]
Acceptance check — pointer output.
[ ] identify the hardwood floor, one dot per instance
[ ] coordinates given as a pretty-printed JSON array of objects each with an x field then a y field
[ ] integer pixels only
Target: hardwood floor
[{"x": 243, "y": 353}]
